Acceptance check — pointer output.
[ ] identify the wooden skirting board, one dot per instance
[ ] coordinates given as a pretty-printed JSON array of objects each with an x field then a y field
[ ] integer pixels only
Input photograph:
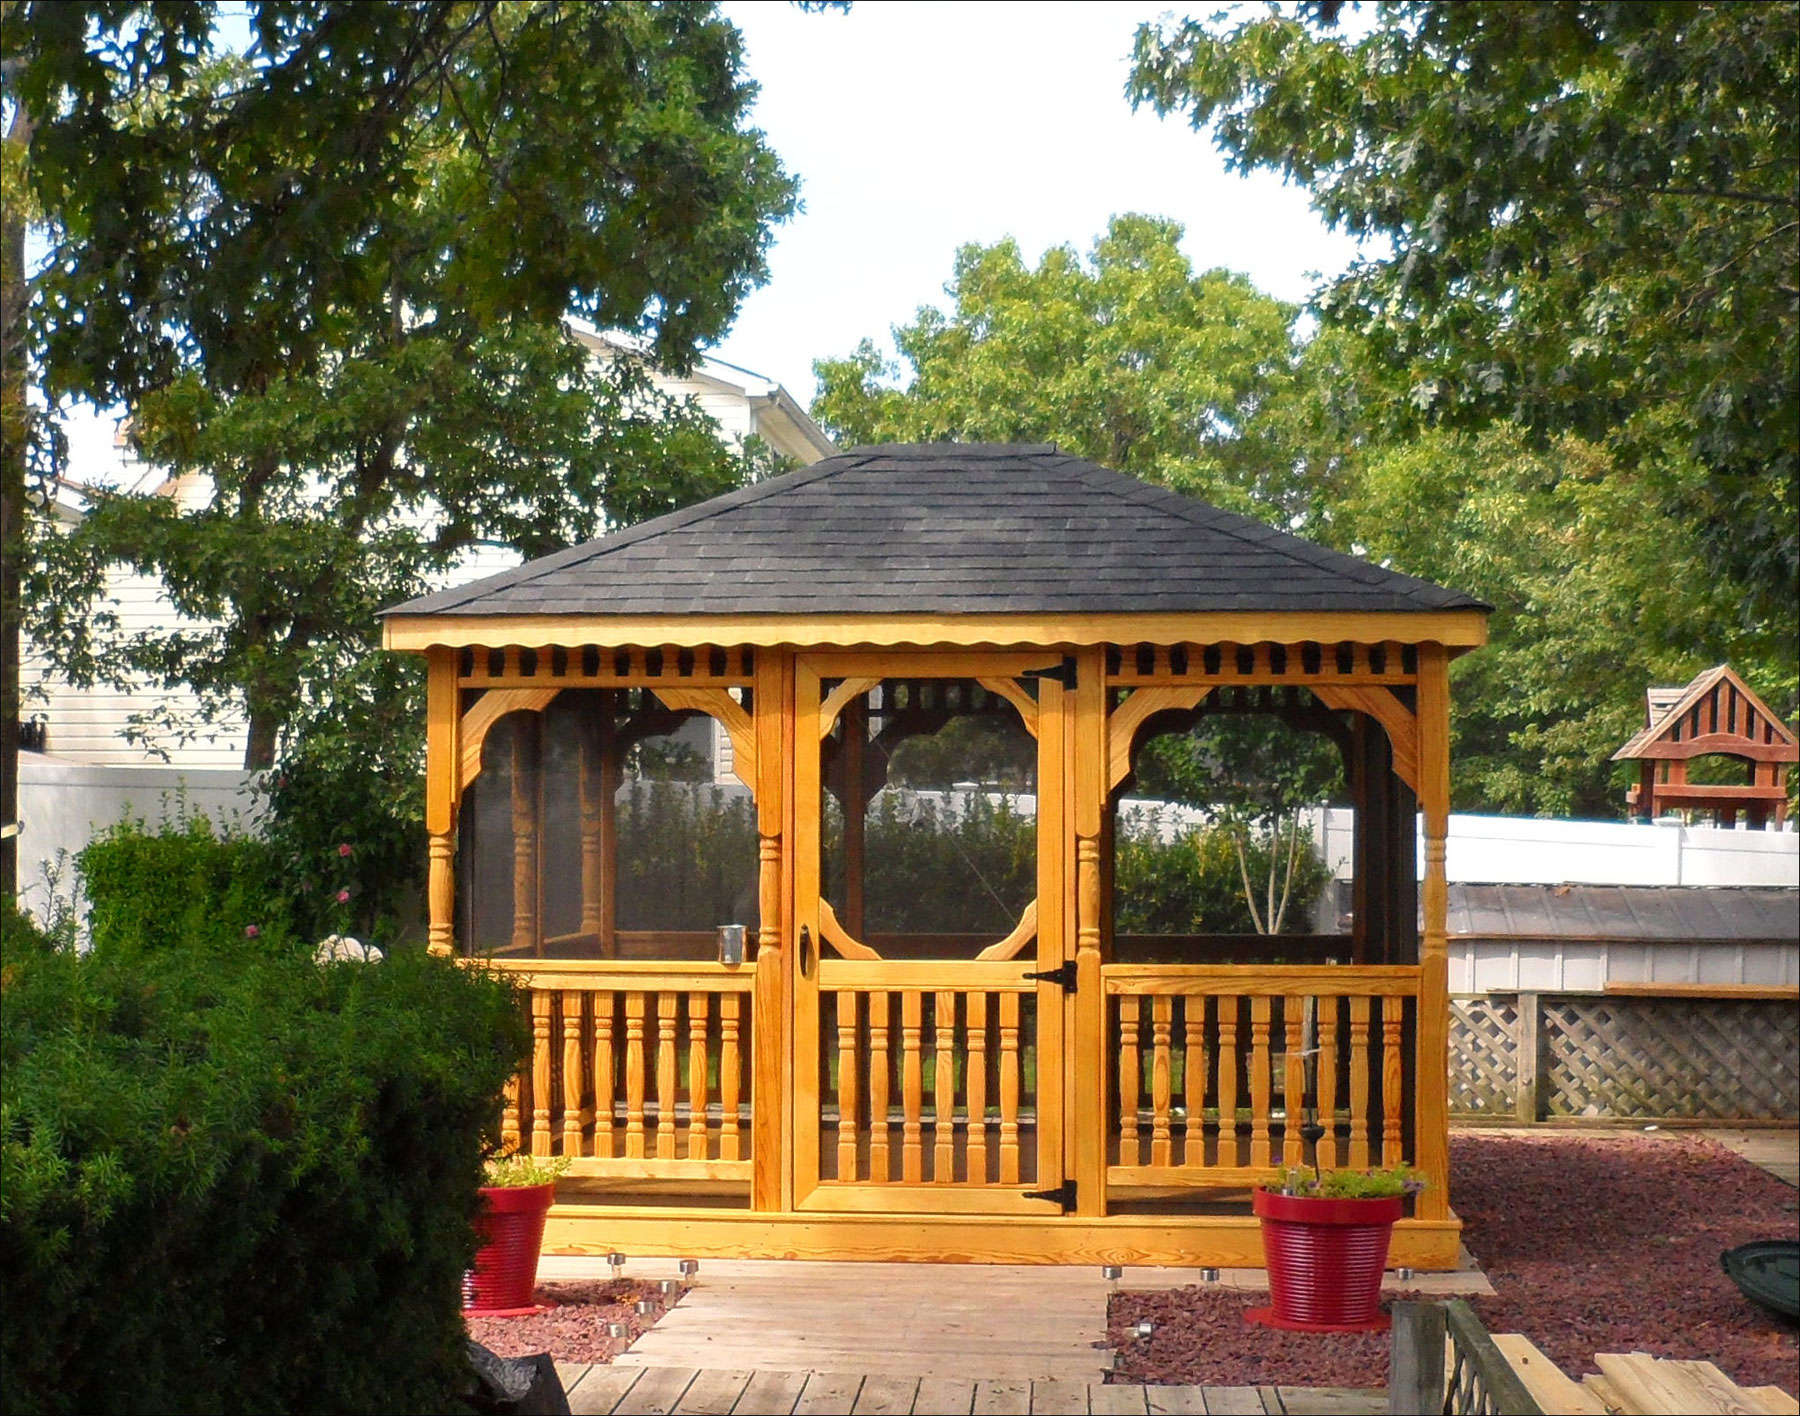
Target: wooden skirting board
[{"x": 1215, "y": 1241}]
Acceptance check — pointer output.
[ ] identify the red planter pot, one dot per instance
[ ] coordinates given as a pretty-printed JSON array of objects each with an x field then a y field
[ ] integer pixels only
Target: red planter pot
[
  {"x": 1325, "y": 1259},
  {"x": 511, "y": 1228}
]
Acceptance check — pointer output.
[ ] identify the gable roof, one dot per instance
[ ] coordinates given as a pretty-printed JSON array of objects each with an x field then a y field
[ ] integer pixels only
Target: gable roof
[
  {"x": 1709, "y": 727},
  {"x": 951, "y": 529}
]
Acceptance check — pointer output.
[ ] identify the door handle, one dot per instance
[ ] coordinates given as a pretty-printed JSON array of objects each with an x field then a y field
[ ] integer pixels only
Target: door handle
[{"x": 806, "y": 967}]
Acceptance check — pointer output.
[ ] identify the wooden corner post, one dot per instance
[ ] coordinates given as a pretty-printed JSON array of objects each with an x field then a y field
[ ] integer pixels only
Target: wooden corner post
[
  {"x": 772, "y": 1181},
  {"x": 1087, "y": 1111},
  {"x": 1432, "y": 1118},
  {"x": 442, "y": 788}
]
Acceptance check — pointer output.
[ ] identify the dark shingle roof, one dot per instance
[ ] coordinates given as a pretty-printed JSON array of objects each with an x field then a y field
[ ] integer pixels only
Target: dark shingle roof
[{"x": 944, "y": 528}]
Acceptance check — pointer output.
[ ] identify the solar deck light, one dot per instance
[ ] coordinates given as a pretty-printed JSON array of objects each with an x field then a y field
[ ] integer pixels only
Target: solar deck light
[
  {"x": 689, "y": 1267},
  {"x": 617, "y": 1260},
  {"x": 670, "y": 1287},
  {"x": 1209, "y": 1275},
  {"x": 731, "y": 944},
  {"x": 1112, "y": 1273},
  {"x": 617, "y": 1330},
  {"x": 1146, "y": 1329},
  {"x": 1403, "y": 1274},
  {"x": 646, "y": 1307}
]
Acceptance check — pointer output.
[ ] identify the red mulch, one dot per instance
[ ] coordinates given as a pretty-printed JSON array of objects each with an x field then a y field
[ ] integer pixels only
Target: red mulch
[
  {"x": 1607, "y": 1244},
  {"x": 574, "y": 1330}
]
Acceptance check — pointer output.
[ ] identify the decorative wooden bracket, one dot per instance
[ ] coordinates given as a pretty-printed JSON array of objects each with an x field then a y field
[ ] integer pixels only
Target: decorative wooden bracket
[
  {"x": 1394, "y": 716},
  {"x": 489, "y": 709},
  {"x": 834, "y": 703},
  {"x": 719, "y": 703},
  {"x": 832, "y": 931},
  {"x": 1010, "y": 690},
  {"x": 1129, "y": 716},
  {"x": 1022, "y": 934}
]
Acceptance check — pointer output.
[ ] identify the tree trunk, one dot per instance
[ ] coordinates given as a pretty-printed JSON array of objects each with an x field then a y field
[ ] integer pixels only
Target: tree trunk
[
  {"x": 259, "y": 743},
  {"x": 15, "y": 432}
]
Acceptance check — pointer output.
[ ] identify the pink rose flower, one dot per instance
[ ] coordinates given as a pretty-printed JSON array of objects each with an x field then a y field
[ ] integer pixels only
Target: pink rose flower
[
  {"x": 251, "y": 931},
  {"x": 343, "y": 897},
  {"x": 344, "y": 849}
]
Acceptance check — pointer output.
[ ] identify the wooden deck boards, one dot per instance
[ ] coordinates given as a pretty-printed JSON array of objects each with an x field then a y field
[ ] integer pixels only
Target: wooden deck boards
[
  {"x": 903, "y": 1320},
  {"x": 685, "y": 1391}
]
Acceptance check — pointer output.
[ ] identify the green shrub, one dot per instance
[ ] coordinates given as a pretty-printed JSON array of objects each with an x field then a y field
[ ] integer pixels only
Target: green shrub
[
  {"x": 687, "y": 857},
  {"x": 233, "y": 1179},
  {"x": 178, "y": 886},
  {"x": 1194, "y": 884}
]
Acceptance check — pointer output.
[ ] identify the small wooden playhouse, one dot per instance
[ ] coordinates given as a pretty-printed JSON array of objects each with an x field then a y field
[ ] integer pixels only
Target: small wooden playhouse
[{"x": 882, "y": 712}]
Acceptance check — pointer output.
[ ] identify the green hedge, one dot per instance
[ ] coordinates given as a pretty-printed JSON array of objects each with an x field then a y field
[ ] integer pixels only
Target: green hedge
[
  {"x": 687, "y": 860},
  {"x": 233, "y": 1179}
]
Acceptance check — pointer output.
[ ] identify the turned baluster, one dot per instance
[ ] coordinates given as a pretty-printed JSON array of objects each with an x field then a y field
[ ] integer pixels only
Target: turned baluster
[
  {"x": 1359, "y": 1083},
  {"x": 634, "y": 1075},
  {"x": 1130, "y": 1082},
  {"x": 666, "y": 1067},
  {"x": 847, "y": 1087},
  {"x": 1259, "y": 1082},
  {"x": 975, "y": 1087},
  {"x": 1193, "y": 1081},
  {"x": 1326, "y": 1152},
  {"x": 730, "y": 1074},
  {"x": 603, "y": 1075},
  {"x": 573, "y": 1075},
  {"x": 943, "y": 1091},
  {"x": 1162, "y": 1021},
  {"x": 1009, "y": 1089},
  {"x": 1228, "y": 1081},
  {"x": 912, "y": 1087},
  {"x": 879, "y": 1157},
  {"x": 699, "y": 1011}
]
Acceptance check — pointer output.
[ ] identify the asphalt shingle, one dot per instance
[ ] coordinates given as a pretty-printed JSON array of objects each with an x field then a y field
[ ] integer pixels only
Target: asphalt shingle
[{"x": 943, "y": 528}]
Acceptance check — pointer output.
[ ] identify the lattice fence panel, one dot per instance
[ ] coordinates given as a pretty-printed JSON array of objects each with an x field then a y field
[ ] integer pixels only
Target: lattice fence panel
[
  {"x": 1484, "y": 1055},
  {"x": 1671, "y": 1057}
]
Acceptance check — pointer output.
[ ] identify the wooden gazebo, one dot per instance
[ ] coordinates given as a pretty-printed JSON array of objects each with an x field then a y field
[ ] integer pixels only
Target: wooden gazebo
[
  {"x": 882, "y": 712},
  {"x": 1715, "y": 715}
]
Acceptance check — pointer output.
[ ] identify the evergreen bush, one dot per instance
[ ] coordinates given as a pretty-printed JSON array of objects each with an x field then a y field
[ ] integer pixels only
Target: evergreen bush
[{"x": 234, "y": 1179}]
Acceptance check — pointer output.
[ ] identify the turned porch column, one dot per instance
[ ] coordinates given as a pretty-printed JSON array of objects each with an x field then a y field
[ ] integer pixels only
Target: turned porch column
[
  {"x": 1432, "y": 1118},
  {"x": 442, "y": 782}
]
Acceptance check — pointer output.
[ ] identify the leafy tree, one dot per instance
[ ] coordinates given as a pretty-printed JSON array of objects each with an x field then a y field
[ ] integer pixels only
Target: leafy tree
[
  {"x": 1595, "y": 596},
  {"x": 1128, "y": 357},
  {"x": 1256, "y": 774},
  {"x": 329, "y": 276},
  {"x": 1582, "y": 218}
]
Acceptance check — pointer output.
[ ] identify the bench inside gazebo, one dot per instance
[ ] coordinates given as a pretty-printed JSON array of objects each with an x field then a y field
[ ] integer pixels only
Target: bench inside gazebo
[{"x": 882, "y": 713}]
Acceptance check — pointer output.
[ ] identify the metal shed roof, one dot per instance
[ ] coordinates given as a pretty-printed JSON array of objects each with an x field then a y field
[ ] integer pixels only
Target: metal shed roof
[{"x": 1687, "y": 914}]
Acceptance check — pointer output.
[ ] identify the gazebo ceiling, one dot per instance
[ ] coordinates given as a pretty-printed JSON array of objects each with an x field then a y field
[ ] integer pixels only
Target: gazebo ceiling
[{"x": 948, "y": 531}]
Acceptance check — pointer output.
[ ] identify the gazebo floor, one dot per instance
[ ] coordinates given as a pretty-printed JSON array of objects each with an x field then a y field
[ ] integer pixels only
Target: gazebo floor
[{"x": 1215, "y": 1241}]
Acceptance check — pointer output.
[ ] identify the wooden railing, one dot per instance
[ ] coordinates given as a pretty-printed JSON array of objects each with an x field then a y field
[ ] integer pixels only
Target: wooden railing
[
  {"x": 1217, "y": 1070},
  {"x": 927, "y": 1085},
  {"x": 638, "y": 1070}
]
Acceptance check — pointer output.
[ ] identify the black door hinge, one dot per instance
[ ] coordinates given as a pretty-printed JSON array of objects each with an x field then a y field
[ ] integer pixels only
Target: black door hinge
[
  {"x": 1063, "y": 673},
  {"x": 1063, "y": 974},
  {"x": 1063, "y": 1194}
]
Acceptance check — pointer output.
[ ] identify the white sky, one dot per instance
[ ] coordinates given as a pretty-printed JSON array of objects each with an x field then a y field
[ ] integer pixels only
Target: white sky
[{"x": 915, "y": 126}]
